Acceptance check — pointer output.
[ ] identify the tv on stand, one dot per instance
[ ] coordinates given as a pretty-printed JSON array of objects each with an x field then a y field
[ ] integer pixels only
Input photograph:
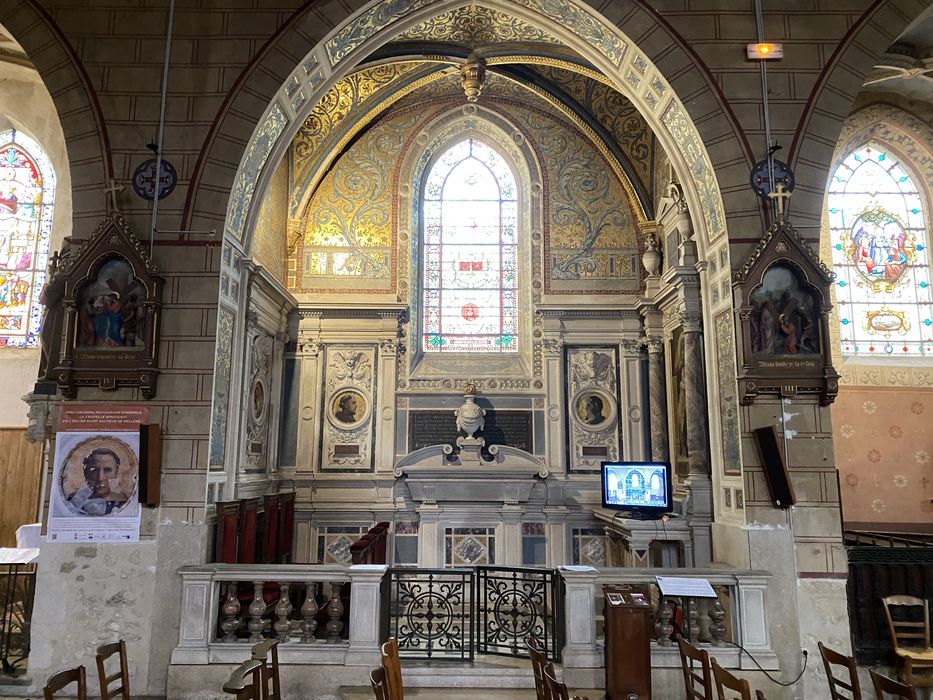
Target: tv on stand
[{"x": 642, "y": 490}]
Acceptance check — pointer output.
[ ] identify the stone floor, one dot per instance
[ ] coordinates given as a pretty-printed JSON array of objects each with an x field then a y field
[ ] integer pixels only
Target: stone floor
[{"x": 461, "y": 694}]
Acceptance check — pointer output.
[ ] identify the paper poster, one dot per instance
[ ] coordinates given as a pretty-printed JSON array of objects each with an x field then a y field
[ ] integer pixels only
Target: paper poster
[{"x": 95, "y": 481}]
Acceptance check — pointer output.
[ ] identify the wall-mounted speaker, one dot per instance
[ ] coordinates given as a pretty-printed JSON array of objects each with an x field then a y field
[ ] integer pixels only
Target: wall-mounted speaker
[
  {"x": 776, "y": 474},
  {"x": 150, "y": 464}
]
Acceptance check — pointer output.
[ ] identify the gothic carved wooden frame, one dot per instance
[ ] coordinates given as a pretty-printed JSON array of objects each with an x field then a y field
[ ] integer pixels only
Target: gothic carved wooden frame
[
  {"x": 785, "y": 374},
  {"x": 111, "y": 367}
]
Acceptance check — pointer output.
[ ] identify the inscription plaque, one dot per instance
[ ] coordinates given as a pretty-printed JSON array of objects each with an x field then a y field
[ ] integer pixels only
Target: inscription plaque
[{"x": 511, "y": 428}]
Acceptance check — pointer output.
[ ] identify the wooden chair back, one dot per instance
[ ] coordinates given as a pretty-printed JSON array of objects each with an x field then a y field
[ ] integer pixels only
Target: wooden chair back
[
  {"x": 377, "y": 678},
  {"x": 267, "y": 651},
  {"x": 725, "y": 681},
  {"x": 557, "y": 689},
  {"x": 883, "y": 685},
  {"x": 759, "y": 695},
  {"x": 62, "y": 679},
  {"x": 245, "y": 683},
  {"x": 538, "y": 660},
  {"x": 905, "y": 633},
  {"x": 393, "y": 670},
  {"x": 107, "y": 691},
  {"x": 699, "y": 685},
  {"x": 837, "y": 683}
]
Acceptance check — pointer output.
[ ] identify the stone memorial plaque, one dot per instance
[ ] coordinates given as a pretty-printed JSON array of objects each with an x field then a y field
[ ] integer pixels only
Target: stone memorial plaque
[{"x": 512, "y": 428}]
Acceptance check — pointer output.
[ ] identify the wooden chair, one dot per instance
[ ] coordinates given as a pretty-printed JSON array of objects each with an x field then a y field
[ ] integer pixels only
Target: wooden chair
[
  {"x": 267, "y": 651},
  {"x": 726, "y": 681},
  {"x": 883, "y": 685},
  {"x": 104, "y": 652},
  {"x": 911, "y": 639},
  {"x": 538, "y": 660},
  {"x": 850, "y": 685},
  {"x": 393, "y": 670},
  {"x": 557, "y": 689},
  {"x": 378, "y": 679},
  {"x": 62, "y": 679},
  {"x": 699, "y": 687},
  {"x": 759, "y": 695},
  {"x": 245, "y": 683}
]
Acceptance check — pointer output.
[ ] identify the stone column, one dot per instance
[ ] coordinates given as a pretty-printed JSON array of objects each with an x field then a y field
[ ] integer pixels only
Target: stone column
[
  {"x": 698, "y": 484},
  {"x": 657, "y": 399},
  {"x": 552, "y": 350},
  {"x": 309, "y": 398},
  {"x": 365, "y": 614},
  {"x": 631, "y": 412},
  {"x": 384, "y": 413}
]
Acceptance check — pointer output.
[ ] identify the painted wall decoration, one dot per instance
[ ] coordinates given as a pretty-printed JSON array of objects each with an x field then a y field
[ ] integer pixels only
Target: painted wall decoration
[
  {"x": 728, "y": 394},
  {"x": 883, "y": 449},
  {"x": 258, "y": 392},
  {"x": 592, "y": 406},
  {"x": 347, "y": 434},
  {"x": 221, "y": 402},
  {"x": 27, "y": 197}
]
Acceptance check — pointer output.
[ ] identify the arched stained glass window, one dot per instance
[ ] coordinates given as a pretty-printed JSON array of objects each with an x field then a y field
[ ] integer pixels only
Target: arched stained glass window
[
  {"x": 27, "y": 192},
  {"x": 879, "y": 248},
  {"x": 470, "y": 252}
]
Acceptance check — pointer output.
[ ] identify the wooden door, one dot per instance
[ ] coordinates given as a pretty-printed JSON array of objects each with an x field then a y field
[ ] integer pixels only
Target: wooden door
[{"x": 20, "y": 481}]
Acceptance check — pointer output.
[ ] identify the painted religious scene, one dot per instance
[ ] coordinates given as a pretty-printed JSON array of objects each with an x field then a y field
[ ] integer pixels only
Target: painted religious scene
[
  {"x": 111, "y": 309},
  {"x": 784, "y": 317}
]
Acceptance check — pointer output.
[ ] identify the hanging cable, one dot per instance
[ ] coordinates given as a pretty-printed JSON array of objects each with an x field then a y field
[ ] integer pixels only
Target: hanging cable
[
  {"x": 158, "y": 143},
  {"x": 760, "y": 27}
]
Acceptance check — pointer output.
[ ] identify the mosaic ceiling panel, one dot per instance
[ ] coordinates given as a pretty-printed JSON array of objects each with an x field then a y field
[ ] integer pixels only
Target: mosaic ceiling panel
[{"x": 475, "y": 26}]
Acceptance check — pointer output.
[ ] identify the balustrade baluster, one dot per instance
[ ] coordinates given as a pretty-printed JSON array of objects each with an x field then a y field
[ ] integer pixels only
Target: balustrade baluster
[
  {"x": 693, "y": 622},
  {"x": 231, "y": 609},
  {"x": 308, "y": 613},
  {"x": 703, "y": 619},
  {"x": 717, "y": 628},
  {"x": 665, "y": 627},
  {"x": 257, "y": 609},
  {"x": 335, "y": 612},
  {"x": 282, "y": 610}
]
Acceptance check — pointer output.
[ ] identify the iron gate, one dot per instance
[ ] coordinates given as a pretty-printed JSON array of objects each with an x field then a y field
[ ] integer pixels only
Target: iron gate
[{"x": 455, "y": 613}]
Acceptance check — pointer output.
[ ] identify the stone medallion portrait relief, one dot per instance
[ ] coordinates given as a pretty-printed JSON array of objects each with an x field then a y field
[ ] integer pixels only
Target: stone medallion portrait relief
[{"x": 348, "y": 409}]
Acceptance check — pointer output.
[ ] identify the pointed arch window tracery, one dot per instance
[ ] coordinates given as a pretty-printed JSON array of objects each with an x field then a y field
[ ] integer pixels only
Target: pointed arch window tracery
[
  {"x": 470, "y": 252},
  {"x": 27, "y": 198},
  {"x": 877, "y": 219}
]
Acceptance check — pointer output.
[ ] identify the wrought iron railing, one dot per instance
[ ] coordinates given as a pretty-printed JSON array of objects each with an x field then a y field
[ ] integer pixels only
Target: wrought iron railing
[
  {"x": 515, "y": 603},
  {"x": 17, "y": 589},
  {"x": 430, "y": 612}
]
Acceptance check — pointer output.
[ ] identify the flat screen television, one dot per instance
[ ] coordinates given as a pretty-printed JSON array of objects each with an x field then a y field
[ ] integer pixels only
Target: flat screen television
[{"x": 643, "y": 489}]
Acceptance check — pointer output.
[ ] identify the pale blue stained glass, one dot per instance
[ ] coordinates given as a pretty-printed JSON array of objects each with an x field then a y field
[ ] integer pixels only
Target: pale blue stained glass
[
  {"x": 470, "y": 259},
  {"x": 27, "y": 196},
  {"x": 879, "y": 247}
]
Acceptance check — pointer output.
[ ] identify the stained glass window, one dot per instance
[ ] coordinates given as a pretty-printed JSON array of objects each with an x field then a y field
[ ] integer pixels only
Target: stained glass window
[
  {"x": 27, "y": 190},
  {"x": 470, "y": 253},
  {"x": 879, "y": 248}
]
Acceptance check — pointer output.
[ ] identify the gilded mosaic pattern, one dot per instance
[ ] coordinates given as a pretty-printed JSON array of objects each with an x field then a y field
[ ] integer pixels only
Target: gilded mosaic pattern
[
  {"x": 590, "y": 242},
  {"x": 585, "y": 25},
  {"x": 367, "y": 24},
  {"x": 615, "y": 112},
  {"x": 260, "y": 146},
  {"x": 702, "y": 170},
  {"x": 268, "y": 240},
  {"x": 221, "y": 386},
  {"x": 474, "y": 26},
  {"x": 728, "y": 398},
  {"x": 349, "y": 237},
  {"x": 330, "y": 116}
]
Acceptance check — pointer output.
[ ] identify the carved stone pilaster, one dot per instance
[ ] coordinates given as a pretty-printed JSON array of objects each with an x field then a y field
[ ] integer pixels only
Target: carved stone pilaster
[
  {"x": 40, "y": 419},
  {"x": 552, "y": 346},
  {"x": 657, "y": 398}
]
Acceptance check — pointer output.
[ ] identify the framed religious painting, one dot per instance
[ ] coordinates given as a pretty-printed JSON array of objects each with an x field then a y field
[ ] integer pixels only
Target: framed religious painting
[
  {"x": 784, "y": 320},
  {"x": 110, "y": 304}
]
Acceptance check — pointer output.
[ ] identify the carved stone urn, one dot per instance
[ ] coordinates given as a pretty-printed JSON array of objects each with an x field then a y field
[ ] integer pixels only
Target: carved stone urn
[{"x": 470, "y": 416}]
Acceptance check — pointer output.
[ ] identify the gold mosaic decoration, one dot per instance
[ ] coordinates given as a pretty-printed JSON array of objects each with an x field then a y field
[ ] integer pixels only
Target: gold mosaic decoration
[{"x": 474, "y": 26}]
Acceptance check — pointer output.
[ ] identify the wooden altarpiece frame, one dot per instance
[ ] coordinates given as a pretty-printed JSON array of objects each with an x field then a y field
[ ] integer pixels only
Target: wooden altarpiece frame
[
  {"x": 784, "y": 345},
  {"x": 112, "y": 307}
]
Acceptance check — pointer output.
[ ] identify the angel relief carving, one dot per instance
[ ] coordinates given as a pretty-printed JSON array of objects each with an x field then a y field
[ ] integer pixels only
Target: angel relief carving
[{"x": 351, "y": 367}]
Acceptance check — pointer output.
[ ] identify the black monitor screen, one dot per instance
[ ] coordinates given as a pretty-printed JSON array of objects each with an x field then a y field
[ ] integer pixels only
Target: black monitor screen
[{"x": 637, "y": 485}]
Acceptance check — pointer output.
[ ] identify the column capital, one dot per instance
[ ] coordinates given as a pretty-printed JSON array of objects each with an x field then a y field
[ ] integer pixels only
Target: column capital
[
  {"x": 552, "y": 346},
  {"x": 631, "y": 348},
  {"x": 690, "y": 319},
  {"x": 653, "y": 343}
]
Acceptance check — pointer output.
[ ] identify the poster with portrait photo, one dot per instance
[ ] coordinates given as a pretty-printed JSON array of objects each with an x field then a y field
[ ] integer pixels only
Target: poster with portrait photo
[{"x": 95, "y": 488}]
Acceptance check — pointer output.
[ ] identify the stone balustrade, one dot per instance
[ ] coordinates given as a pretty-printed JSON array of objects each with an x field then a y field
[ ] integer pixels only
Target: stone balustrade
[
  {"x": 736, "y": 617},
  {"x": 228, "y": 607}
]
